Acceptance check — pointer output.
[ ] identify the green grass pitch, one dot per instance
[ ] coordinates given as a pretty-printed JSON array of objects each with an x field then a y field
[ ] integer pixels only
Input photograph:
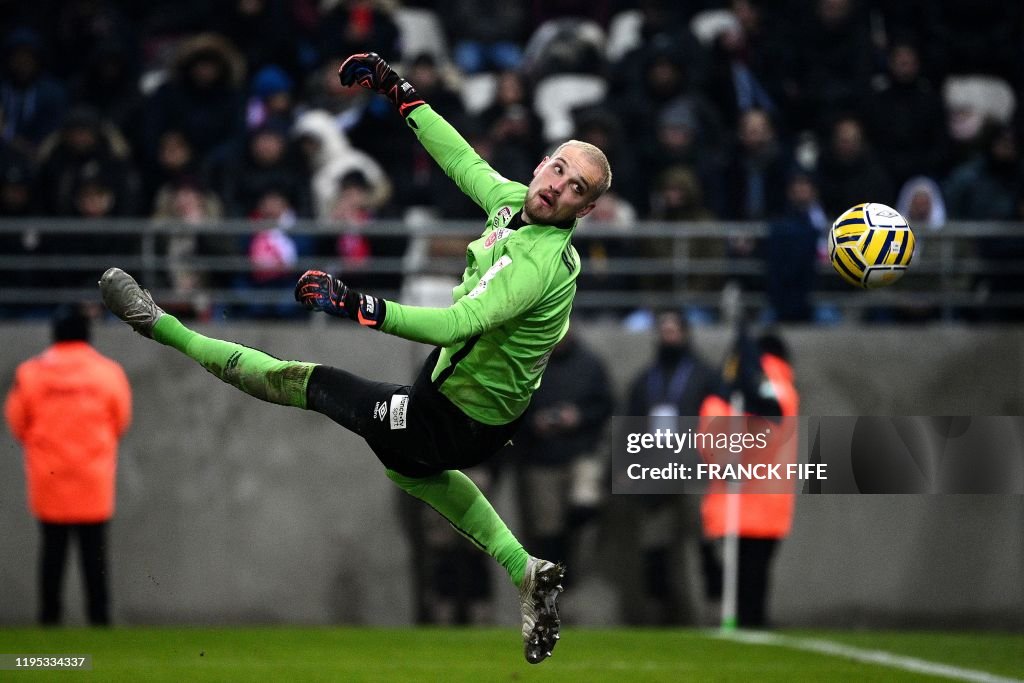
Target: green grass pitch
[{"x": 490, "y": 654}]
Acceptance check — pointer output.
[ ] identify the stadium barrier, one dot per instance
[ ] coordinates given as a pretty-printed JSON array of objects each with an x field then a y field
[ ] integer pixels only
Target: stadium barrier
[{"x": 655, "y": 264}]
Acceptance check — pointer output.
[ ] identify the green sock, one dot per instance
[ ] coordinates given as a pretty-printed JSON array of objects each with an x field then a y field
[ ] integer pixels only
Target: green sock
[
  {"x": 256, "y": 373},
  {"x": 458, "y": 499}
]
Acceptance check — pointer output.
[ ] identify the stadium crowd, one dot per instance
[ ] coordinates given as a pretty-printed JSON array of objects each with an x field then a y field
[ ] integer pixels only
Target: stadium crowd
[{"x": 785, "y": 112}]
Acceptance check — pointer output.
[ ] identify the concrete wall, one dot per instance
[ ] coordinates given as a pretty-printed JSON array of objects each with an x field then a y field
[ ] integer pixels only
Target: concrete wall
[{"x": 231, "y": 510}]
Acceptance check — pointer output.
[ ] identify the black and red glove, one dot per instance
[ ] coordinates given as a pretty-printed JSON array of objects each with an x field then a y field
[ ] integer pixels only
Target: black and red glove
[
  {"x": 320, "y": 291},
  {"x": 369, "y": 70}
]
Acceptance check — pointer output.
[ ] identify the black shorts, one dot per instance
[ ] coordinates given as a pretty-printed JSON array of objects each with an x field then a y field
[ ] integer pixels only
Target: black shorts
[{"x": 412, "y": 429}]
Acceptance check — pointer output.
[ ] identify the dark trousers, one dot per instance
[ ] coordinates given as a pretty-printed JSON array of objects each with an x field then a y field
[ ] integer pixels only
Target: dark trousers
[
  {"x": 754, "y": 576},
  {"x": 92, "y": 552},
  {"x": 412, "y": 429},
  {"x": 755, "y": 567}
]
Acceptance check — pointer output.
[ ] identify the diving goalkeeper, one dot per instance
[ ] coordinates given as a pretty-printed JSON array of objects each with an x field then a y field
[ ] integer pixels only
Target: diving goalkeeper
[{"x": 511, "y": 308}]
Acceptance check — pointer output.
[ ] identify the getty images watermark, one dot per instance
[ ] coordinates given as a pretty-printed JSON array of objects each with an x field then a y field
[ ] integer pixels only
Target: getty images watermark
[{"x": 920, "y": 454}]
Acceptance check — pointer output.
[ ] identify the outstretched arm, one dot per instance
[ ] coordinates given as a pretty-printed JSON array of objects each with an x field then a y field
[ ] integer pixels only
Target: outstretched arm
[
  {"x": 505, "y": 291},
  {"x": 453, "y": 154}
]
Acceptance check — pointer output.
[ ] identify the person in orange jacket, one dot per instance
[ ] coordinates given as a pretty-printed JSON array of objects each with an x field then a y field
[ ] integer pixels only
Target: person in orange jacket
[
  {"x": 760, "y": 371},
  {"x": 68, "y": 407}
]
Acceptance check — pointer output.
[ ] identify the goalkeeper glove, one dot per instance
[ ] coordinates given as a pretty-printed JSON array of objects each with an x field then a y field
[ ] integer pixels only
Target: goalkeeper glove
[
  {"x": 370, "y": 71},
  {"x": 320, "y": 291}
]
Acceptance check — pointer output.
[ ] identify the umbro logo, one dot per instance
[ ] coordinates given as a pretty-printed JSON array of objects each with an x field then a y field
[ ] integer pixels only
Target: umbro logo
[{"x": 380, "y": 411}]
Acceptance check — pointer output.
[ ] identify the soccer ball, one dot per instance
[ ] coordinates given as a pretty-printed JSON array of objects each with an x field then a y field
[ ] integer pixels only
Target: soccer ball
[{"x": 870, "y": 245}]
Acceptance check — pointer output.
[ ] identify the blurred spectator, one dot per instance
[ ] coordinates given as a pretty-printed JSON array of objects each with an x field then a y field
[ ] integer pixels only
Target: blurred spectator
[
  {"x": 791, "y": 252},
  {"x": 680, "y": 197},
  {"x": 85, "y": 145},
  {"x": 69, "y": 407},
  {"x": 985, "y": 188},
  {"x": 921, "y": 203},
  {"x": 849, "y": 172},
  {"x": 682, "y": 139},
  {"x": 175, "y": 162},
  {"x": 832, "y": 64},
  {"x": 655, "y": 74},
  {"x": 109, "y": 82},
  {"x": 989, "y": 187},
  {"x": 570, "y": 45},
  {"x": 352, "y": 26},
  {"x": 32, "y": 103},
  {"x": 181, "y": 207},
  {"x": 558, "y": 464},
  {"x": 270, "y": 97},
  {"x": 435, "y": 86},
  {"x": 94, "y": 195},
  {"x": 600, "y": 126},
  {"x": 754, "y": 177},
  {"x": 761, "y": 373},
  {"x": 673, "y": 385},
  {"x": 664, "y": 29},
  {"x": 745, "y": 67},
  {"x": 513, "y": 126},
  {"x": 355, "y": 207},
  {"x": 202, "y": 97},
  {"x": 266, "y": 162},
  {"x": 274, "y": 251},
  {"x": 912, "y": 22},
  {"x": 329, "y": 157},
  {"x": 485, "y": 35},
  {"x": 905, "y": 119}
]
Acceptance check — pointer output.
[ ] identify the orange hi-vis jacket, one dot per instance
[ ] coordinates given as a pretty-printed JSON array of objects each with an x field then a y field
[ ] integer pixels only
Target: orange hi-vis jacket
[
  {"x": 762, "y": 515},
  {"x": 68, "y": 407}
]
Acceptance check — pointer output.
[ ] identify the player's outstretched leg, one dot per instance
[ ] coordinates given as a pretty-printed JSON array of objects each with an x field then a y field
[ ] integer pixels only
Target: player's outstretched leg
[
  {"x": 458, "y": 499},
  {"x": 254, "y": 372}
]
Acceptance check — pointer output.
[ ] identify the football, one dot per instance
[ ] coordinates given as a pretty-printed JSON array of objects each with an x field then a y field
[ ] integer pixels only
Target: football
[{"x": 871, "y": 245}]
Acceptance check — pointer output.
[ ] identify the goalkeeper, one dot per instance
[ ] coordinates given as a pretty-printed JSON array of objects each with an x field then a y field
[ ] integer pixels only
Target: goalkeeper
[{"x": 511, "y": 308}]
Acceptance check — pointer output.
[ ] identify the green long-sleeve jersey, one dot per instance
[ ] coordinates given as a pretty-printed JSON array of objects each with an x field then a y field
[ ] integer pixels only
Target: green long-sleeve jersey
[{"x": 512, "y": 306}]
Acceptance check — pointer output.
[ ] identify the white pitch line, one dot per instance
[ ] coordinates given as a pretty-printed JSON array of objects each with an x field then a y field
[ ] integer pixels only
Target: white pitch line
[{"x": 880, "y": 657}]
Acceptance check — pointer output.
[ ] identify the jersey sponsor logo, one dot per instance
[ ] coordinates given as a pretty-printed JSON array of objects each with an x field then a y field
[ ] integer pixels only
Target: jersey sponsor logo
[
  {"x": 481, "y": 286},
  {"x": 399, "y": 403},
  {"x": 499, "y": 234},
  {"x": 502, "y": 218},
  {"x": 380, "y": 410}
]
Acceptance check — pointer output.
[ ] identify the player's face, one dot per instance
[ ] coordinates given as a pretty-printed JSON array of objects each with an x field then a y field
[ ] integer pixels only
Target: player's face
[{"x": 562, "y": 188}]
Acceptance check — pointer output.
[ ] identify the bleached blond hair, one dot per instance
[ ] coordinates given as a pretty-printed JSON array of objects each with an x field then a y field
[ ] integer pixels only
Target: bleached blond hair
[{"x": 595, "y": 156}]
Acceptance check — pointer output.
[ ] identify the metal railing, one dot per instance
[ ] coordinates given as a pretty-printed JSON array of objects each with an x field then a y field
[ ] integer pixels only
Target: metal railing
[{"x": 664, "y": 263}]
